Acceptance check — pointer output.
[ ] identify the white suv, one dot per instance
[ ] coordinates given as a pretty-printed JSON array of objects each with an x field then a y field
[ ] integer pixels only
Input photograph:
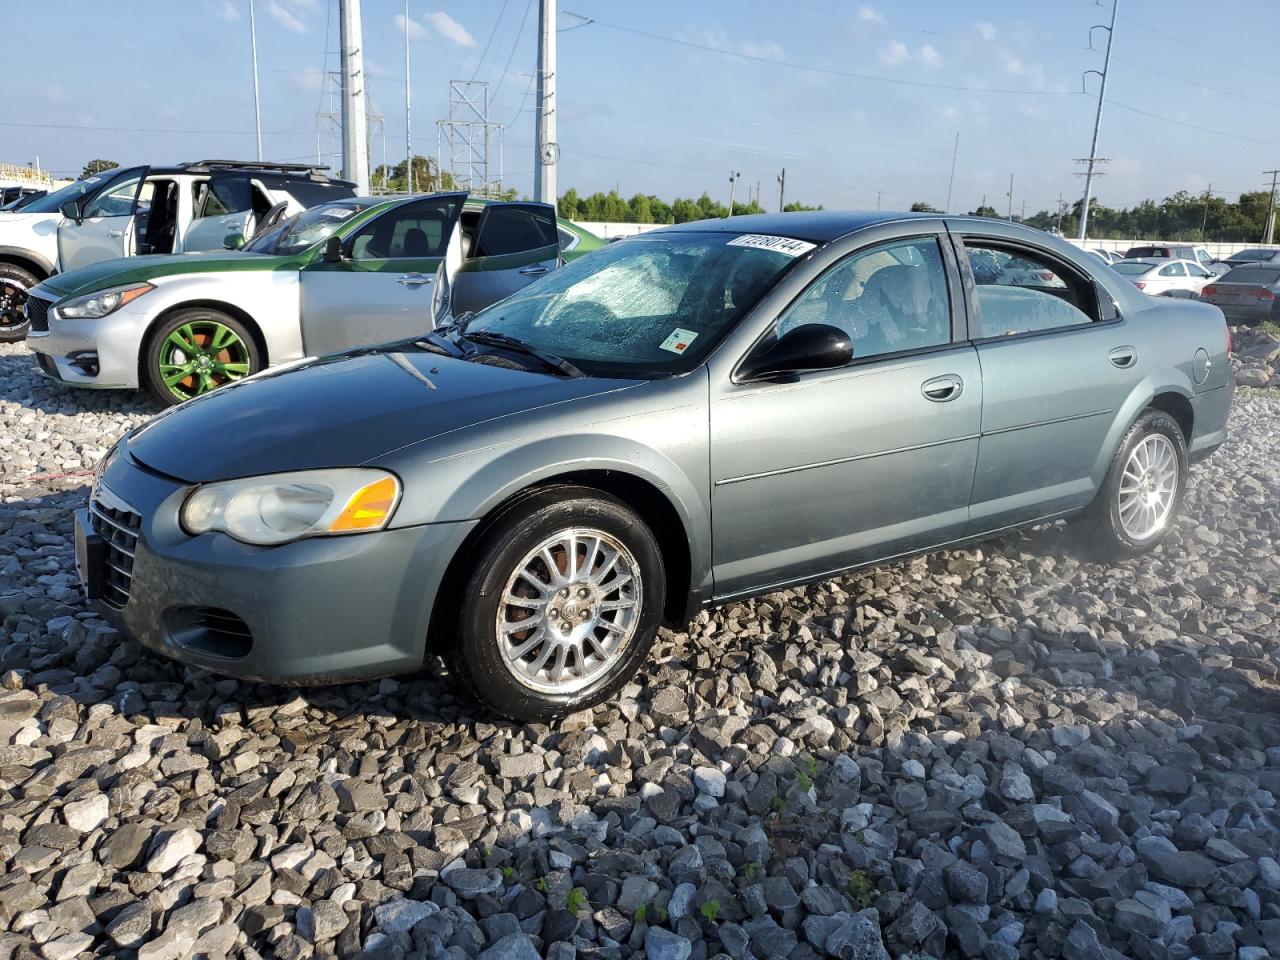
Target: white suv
[{"x": 137, "y": 210}]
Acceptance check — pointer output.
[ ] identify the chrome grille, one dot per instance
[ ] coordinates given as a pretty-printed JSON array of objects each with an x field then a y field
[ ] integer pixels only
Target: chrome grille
[
  {"x": 118, "y": 526},
  {"x": 38, "y": 314}
]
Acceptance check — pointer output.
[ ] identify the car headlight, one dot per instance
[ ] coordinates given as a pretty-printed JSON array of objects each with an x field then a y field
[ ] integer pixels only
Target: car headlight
[
  {"x": 289, "y": 506},
  {"x": 94, "y": 305}
]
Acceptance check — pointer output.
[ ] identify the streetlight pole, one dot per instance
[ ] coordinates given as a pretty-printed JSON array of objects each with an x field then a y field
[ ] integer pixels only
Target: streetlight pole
[
  {"x": 733, "y": 186},
  {"x": 257, "y": 104},
  {"x": 355, "y": 136},
  {"x": 408, "y": 129},
  {"x": 782, "y": 189},
  {"x": 547, "y": 151}
]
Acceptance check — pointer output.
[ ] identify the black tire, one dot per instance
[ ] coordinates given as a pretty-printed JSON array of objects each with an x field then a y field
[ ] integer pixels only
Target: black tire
[
  {"x": 1102, "y": 531},
  {"x": 474, "y": 655},
  {"x": 14, "y": 284},
  {"x": 246, "y": 356}
]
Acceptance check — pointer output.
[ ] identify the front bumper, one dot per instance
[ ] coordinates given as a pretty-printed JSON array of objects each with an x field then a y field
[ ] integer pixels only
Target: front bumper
[
  {"x": 113, "y": 344},
  {"x": 315, "y": 611}
]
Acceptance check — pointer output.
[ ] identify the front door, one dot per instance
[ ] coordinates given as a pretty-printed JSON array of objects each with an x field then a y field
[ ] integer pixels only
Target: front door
[
  {"x": 513, "y": 245},
  {"x": 387, "y": 286},
  {"x": 106, "y": 227},
  {"x": 848, "y": 466},
  {"x": 1056, "y": 368}
]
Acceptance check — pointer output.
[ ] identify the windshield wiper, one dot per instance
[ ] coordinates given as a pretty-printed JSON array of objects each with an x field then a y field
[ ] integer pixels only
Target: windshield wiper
[
  {"x": 434, "y": 343},
  {"x": 516, "y": 345}
]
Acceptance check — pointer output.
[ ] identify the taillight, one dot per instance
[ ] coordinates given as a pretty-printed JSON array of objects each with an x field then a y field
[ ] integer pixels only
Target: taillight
[
  {"x": 1140, "y": 284},
  {"x": 1264, "y": 294},
  {"x": 1209, "y": 292}
]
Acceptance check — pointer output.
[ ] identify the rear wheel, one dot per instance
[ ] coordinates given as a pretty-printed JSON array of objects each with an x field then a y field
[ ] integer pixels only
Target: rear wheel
[
  {"x": 14, "y": 284},
  {"x": 1139, "y": 499},
  {"x": 198, "y": 350},
  {"x": 562, "y": 606}
]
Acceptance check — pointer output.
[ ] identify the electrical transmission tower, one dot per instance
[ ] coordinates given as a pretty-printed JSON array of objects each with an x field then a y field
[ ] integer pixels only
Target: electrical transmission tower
[
  {"x": 329, "y": 127},
  {"x": 468, "y": 139}
]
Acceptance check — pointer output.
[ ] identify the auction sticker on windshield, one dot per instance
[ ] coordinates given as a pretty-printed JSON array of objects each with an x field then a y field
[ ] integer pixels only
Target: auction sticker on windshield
[
  {"x": 787, "y": 245},
  {"x": 679, "y": 340}
]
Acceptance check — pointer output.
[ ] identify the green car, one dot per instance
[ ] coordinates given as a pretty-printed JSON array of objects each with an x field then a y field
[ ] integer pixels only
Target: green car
[{"x": 344, "y": 274}]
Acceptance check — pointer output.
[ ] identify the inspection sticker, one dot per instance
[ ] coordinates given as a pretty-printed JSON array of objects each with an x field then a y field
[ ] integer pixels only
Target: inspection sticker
[
  {"x": 787, "y": 245},
  {"x": 679, "y": 340}
]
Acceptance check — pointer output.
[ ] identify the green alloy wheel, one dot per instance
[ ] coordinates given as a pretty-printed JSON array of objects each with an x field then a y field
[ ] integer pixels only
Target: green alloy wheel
[{"x": 196, "y": 351}]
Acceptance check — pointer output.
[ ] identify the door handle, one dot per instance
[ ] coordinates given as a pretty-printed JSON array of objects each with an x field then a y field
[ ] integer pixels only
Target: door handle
[
  {"x": 116, "y": 233},
  {"x": 414, "y": 280},
  {"x": 1124, "y": 357},
  {"x": 534, "y": 270},
  {"x": 941, "y": 389}
]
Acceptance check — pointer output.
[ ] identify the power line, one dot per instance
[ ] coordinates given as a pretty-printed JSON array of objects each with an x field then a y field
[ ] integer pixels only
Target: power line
[
  {"x": 519, "y": 33},
  {"x": 814, "y": 69},
  {"x": 488, "y": 43},
  {"x": 1205, "y": 50},
  {"x": 1192, "y": 126},
  {"x": 1234, "y": 94}
]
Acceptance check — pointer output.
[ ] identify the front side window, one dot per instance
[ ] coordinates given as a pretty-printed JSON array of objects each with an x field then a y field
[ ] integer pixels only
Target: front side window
[
  {"x": 409, "y": 231},
  {"x": 227, "y": 195},
  {"x": 116, "y": 202},
  {"x": 1028, "y": 293},
  {"x": 647, "y": 306},
  {"x": 889, "y": 298}
]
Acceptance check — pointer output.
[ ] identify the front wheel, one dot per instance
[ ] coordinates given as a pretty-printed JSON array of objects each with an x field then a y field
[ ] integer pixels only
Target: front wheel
[
  {"x": 1143, "y": 489},
  {"x": 14, "y": 284},
  {"x": 564, "y": 600},
  {"x": 197, "y": 350}
]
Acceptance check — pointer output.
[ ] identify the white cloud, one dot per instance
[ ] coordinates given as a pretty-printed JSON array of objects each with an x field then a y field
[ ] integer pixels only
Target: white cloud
[
  {"x": 416, "y": 30},
  {"x": 895, "y": 53},
  {"x": 225, "y": 9},
  {"x": 769, "y": 50},
  {"x": 1012, "y": 62},
  {"x": 284, "y": 17},
  {"x": 450, "y": 29},
  {"x": 55, "y": 93},
  {"x": 869, "y": 14},
  {"x": 309, "y": 6},
  {"x": 930, "y": 56},
  {"x": 986, "y": 31},
  {"x": 308, "y": 79}
]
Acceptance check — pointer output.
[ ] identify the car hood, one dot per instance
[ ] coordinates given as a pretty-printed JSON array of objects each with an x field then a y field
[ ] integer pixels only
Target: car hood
[
  {"x": 341, "y": 411},
  {"x": 113, "y": 273},
  {"x": 15, "y": 226}
]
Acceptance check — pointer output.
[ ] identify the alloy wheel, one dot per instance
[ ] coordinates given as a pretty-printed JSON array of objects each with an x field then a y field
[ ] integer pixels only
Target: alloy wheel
[
  {"x": 13, "y": 297},
  {"x": 1148, "y": 487},
  {"x": 569, "y": 610},
  {"x": 201, "y": 356}
]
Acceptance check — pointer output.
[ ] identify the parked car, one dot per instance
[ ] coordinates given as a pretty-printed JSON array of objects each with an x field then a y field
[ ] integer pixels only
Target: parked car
[
  {"x": 1165, "y": 278},
  {"x": 341, "y": 275},
  {"x": 710, "y": 411},
  {"x": 15, "y": 198},
  {"x": 1108, "y": 256},
  {"x": 140, "y": 210},
  {"x": 1253, "y": 255},
  {"x": 1246, "y": 294},
  {"x": 1177, "y": 251}
]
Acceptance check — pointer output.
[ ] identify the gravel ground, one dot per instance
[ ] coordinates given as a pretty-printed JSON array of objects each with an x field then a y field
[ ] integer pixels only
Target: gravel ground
[{"x": 997, "y": 752}]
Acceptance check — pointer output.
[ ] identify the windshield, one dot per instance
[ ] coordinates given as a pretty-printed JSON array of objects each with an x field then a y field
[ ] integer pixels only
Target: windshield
[
  {"x": 1131, "y": 268},
  {"x": 308, "y": 228},
  {"x": 647, "y": 306},
  {"x": 52, "y": 202}
]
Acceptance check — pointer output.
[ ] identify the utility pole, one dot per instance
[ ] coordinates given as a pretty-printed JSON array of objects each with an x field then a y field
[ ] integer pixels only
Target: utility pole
[
  {"x": 1010, "y": 196},
  {"x": 955, "y": 151},
  {"x": 547, "y": 150},
  {"x": 1204, "y": 221},
  {"x": 733, "y": 186},
  {"x": 782, "y": 188},
  {"x": 355, "y": 136},
  {"x": 1023, "y": 216},
  {"x": 1059, "y": 213},
  {"x": 1097, "y": 120},
  {"x": 982, "y": 206},
  {"x": 257, "y": 103},
  {"x": 408, "y": 129},
  {"x": 878, "y": 192},
  {"x": 1271, "y": 208}
]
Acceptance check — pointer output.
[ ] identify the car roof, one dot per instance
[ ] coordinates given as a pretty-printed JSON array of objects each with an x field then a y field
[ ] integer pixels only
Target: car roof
[{"x": 816, "y": 226}]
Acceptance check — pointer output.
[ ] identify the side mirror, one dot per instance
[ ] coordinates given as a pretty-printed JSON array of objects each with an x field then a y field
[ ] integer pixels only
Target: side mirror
[
  {"x": 71, "y": 210},
  {"x": 333, "y": 251},
  {"x": 233, "y": 241},
  {"x": 814, "y": 346},
  {"x": 1107, "y": 309}
]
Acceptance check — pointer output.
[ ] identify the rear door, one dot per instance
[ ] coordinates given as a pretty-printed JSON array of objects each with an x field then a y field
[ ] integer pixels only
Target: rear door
[
  {"x": 224, "y": 211},
  {"x": 514, "y": 244},
  {"x": 1056, "y": 368},
  {"x": 106, "y": 227},
  {"x": 386, "y": 287}
]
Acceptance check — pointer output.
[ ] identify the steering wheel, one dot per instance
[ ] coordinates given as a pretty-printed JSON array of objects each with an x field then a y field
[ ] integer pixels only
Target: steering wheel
[{"x": 583, "y": 313}]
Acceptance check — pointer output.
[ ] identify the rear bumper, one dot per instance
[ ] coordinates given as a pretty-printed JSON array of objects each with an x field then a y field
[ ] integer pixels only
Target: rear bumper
[
  {"x": 323, "y": 610},
  {"x": 1210, "y": 411},
  {"x": 1247, "y": 313}
]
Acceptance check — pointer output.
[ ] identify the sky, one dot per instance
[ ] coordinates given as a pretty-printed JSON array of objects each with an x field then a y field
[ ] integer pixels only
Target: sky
[{"x": 859, "y": 102}]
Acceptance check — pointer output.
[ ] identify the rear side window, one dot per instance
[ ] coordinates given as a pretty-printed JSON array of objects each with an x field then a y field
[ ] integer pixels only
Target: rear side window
[
  {"x": 1023, "y": 291},
  {"x": 1263, "y": 275},
  {"x": 227, "y": 195},
  {"x": 1173, "y": 270},
  {"x": 515, "y": 229}
]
